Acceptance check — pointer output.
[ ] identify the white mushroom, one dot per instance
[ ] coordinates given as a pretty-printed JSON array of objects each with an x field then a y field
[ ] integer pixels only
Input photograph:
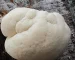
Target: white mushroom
[{"x": 34, "y": 35}]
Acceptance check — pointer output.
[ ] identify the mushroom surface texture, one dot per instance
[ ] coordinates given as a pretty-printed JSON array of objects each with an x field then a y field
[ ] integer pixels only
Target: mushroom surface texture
[{"x": 34, "y": 35}]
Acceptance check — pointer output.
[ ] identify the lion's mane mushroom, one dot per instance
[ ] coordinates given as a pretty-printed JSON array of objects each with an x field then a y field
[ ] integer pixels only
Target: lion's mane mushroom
[{"x": 34, "y": 35}]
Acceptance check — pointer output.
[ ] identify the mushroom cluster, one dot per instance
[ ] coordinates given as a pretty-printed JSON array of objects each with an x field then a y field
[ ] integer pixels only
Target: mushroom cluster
[{"x": 34, "y": 35}]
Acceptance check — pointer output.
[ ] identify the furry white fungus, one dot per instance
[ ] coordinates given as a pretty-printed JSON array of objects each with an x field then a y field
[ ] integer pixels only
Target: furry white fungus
[{"x": 34, "y": 35}]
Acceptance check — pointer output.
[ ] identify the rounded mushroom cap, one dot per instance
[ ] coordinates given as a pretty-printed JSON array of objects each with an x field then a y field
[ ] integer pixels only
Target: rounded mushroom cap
[{"x": 34, "y": 35}]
